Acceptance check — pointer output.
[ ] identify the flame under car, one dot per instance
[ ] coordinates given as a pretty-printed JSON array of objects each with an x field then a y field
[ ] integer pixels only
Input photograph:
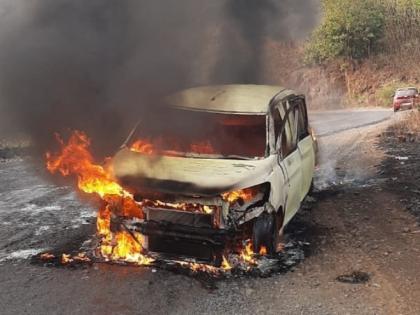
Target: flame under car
[{"x": 240, "y": 170}]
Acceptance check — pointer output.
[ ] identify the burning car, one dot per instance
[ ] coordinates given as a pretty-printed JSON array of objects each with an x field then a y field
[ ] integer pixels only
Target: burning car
[{"x": 240, "y": 171}]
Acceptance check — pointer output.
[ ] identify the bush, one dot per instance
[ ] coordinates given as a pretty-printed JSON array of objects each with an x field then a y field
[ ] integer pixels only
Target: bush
[
  {"x": 351, "y": 29},
  {"x": 385, "y": 94}
]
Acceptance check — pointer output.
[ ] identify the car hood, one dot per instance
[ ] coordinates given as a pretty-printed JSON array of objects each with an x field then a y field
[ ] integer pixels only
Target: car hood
[{"x": 191, "y": 176}]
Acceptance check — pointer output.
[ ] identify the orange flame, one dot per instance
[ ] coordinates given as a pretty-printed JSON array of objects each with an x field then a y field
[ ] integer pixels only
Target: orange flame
[
  {"x": 245, "y": 195},
  {"x": 143, "y": 146},
  {"x": 75, "y": 158},
  {"x": 196, "y": 267},
  {"x": 67, "y": 259},
  {"x": 247, "y": 253},
  {"x": 47, "y": 256},
  {"x": 226, "y": 264},
  {"x": 263, "y": 251},
  {"x": 146, "y": 146}
]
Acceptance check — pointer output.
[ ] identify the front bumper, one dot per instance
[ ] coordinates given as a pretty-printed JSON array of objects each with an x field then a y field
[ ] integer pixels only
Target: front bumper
[
  {"x": 182, "y": 234},
  {"x": 210, "y": 236}
]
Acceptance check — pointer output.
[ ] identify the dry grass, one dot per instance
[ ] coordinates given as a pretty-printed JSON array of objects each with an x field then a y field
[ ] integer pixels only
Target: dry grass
[
  {"x": 407, "y": 127},
  {"x": 282, "y": 65},
  {"x": 402, "y": 27}
]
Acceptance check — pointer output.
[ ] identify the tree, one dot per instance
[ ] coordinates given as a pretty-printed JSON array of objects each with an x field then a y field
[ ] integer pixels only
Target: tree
[{"x": 350, "y": 29}]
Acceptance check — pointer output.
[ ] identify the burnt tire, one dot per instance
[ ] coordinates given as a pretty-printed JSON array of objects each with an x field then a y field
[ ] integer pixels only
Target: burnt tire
[{"x": 265, "y": 233}]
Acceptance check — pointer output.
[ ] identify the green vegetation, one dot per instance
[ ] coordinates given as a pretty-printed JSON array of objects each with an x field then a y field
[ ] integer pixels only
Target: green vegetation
[
  {"x": 386, "y": 92},
  {"x": 359, "y": 28},
  {"x": 350, "y": 29}
]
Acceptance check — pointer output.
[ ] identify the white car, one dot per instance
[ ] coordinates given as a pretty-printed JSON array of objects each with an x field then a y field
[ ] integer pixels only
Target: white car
[{"x": 241, "y": 170}]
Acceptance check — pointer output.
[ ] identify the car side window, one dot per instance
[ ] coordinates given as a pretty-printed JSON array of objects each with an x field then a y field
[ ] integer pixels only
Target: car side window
[
  {"x": 303, "y": 128},
  {"x": 288, "y": 134},
  {"x": 277, "y": 121}
]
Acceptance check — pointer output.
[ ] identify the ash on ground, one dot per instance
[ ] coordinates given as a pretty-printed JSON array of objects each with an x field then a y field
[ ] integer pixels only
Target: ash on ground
[{"x": 400, "y": 168}]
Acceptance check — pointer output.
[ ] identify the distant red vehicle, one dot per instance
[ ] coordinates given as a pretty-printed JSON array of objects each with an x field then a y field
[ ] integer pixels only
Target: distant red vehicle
[{"x": 406, "y": 98}]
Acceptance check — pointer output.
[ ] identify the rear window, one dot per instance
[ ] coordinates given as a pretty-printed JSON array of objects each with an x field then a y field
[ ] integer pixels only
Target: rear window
[{"x": 408, "y": 92}]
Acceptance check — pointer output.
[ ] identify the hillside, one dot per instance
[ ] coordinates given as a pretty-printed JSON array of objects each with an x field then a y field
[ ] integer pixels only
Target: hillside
[{"x": 357, "y": 55}]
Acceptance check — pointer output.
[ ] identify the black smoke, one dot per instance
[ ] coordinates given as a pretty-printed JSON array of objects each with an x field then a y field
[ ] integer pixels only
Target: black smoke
[
  {"x": 248, "y": 24},
  {"x": 98, "y": 65}
]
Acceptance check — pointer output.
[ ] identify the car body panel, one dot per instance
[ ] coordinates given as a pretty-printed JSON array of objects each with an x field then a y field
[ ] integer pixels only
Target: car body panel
[
  {"x": 234, "y": 98},
  {"x": 293, "y": 166},
  {"x": 202, "y": 176},
  {"x": 307, "y": 154}
]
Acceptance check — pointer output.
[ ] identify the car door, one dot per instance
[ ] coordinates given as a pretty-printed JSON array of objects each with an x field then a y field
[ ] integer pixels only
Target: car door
[
  {"x": 305, "y": 146},
  {"x": 290, "y": 160}
]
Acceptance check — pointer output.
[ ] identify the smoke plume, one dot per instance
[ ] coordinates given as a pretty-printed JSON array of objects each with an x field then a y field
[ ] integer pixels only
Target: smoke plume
[{"x": 98, "y": 65}]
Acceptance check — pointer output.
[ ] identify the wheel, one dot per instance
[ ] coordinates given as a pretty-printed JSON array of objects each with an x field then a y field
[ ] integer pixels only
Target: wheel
[{"x": 265, "y": 233}]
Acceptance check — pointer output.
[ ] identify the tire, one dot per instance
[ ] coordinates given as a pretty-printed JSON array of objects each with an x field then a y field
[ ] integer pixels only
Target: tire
[
  {"x": 311, "y": 188},
  {"x": 218, "y": 259},
  {"x": 265, "y": 233}
]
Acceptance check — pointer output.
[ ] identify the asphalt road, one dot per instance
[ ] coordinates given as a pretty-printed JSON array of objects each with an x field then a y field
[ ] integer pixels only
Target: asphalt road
[
  {"x": 37, "y": 215},
  {"x": 330, "y": 122}
]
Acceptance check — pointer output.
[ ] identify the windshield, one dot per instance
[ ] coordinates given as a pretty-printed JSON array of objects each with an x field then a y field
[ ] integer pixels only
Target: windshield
[
  {"x": 408, "y": 92},
  {"x": 202, "y": 134}
]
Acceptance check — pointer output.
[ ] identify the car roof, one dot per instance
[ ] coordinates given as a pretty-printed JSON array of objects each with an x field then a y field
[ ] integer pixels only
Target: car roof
[
  {"x": 233, "y": 98},
  {"x": 407, "y": 88}
]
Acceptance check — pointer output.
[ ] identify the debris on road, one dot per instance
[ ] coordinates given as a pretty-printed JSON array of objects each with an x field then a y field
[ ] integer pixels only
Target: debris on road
[{"x": 356, "y": 277}]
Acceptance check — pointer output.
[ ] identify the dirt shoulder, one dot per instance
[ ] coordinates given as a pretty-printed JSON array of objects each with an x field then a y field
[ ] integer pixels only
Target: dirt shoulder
[{"x": 370, "y": 208}]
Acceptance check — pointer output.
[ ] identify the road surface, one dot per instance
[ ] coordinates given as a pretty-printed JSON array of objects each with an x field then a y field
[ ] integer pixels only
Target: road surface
[
  {"x": 331, "y": 122},
  {"x": 38, "y": 215}
]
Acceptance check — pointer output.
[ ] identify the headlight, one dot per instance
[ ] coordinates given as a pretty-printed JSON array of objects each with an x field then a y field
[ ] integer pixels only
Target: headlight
[{"x": 246, "y": 195}]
